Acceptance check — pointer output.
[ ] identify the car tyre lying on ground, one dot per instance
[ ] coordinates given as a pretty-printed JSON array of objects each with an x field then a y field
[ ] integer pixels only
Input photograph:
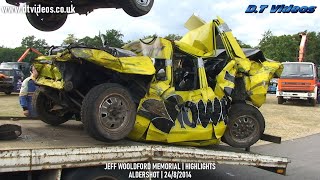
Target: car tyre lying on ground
[
  {"x": 46, "y": 21},
  {"x": 137, "y": 8},
  {"x": 43, "y": 106},
  {"x": 108, "y": 112},
  {"x": 245, "y": 127}
]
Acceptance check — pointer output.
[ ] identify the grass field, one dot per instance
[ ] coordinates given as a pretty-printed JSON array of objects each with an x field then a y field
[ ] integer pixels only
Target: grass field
[
  {"x": 289, "y": 121},
  {"x": 10, "y": 105}
]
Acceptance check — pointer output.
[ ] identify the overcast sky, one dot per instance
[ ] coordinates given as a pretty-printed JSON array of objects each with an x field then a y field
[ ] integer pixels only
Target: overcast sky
[{"x": 168, "y": 16}]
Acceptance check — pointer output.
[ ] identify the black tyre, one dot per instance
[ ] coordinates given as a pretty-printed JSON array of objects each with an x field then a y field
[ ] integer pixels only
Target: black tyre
[
  {"x": 95, "y": 173},
  {"x": 46, "y": 21},
  {"x": 108, "y": 112},
  {"x": 314, "y": 102},
  {"x": 245, "y": 127},
  {"x": 43, "y": 106},
  {"x": 136, "y": 8},
  {"x": 7, "y": 92},
  {"x": 280, "y": 100},
  {"x": 9, "y": 131}
]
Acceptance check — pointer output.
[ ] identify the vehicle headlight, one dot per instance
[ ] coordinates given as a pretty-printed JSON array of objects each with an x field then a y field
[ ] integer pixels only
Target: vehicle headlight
[
  {"x": 309, "y": 94},
  {"x": 280, "y": 93}
]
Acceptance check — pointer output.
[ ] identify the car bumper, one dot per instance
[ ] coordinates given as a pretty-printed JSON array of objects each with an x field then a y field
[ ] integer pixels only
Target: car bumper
[{"x": 296, "y": 95}]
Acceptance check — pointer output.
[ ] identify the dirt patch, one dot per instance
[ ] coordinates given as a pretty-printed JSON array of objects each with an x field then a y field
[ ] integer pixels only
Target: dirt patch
[
  {"x": 10, "y": 105},
  {"x": 290, "y": 120}
]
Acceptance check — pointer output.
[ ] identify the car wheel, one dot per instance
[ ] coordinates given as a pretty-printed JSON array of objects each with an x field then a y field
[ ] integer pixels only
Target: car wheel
[
  {"x": 108, "y": 112},
  {"x": 7, "y": 92},
  {"x": 280, "y": 100},
  {"x": 314, "y": 102},
  {"x": 136, "y": 8},
  {"x": 245, "y": 127},
  {"x": 43, "y": 106},
  {"x": 46, "y": 21}
]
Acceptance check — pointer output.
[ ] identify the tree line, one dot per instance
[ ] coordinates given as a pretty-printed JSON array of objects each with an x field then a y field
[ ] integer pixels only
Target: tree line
[
  {"x": 113, "y": 38},
  {"x": 281, "y": 48},
  {"x": 286, "y": 47}
]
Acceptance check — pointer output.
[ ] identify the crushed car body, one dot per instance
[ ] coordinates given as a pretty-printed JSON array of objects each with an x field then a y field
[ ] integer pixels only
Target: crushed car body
[{"x": 196, "y": 91}]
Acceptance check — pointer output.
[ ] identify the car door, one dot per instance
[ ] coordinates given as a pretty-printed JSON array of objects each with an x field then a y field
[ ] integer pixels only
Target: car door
[{"x": 198, "y": 110}]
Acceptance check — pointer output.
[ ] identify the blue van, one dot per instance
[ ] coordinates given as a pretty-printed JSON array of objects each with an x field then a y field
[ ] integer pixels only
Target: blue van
[{"x": 273, "y": 86}]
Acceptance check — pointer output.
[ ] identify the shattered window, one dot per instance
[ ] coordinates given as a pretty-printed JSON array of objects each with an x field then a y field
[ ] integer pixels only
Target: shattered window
[
  {"x": 219, "y": 43},
  {"x": 185, "y": 74},
  {"x": 160, "y": 65}
]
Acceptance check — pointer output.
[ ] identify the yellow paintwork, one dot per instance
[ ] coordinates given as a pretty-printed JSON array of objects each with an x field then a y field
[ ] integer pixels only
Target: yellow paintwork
[
  {"x": 131, "y": 65},
  {"x": 49, "y": 75},
  {"x": 258, "y": 82},
  {"x": 222, "y": 82},
  {"x": 200, "y": 43}
]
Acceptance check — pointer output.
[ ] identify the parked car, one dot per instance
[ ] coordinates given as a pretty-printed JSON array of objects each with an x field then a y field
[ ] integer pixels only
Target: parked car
[
  {"x": 273, "y": 86},
  {"x": 53, "y": 21},
  {"x": 23, "y": 66},
  {"x": 12, "y": 81}
]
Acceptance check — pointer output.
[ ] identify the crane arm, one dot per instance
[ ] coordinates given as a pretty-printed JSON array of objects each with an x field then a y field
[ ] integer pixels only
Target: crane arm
[
  {"x": 24, "y": 55},
  {"x": 302, "y": 47}
]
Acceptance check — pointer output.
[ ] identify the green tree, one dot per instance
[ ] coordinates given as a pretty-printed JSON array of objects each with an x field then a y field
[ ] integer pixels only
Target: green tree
[
  {"x": 312, "y": 53},
  {"x": 113, "y": 38},
  {"x": 11, "y": 54},
  {"x": 92, "y": 42},
  {"x": 173, "y": 37},
  {"x": 286, "y": 47},
  {"x": 149, "y": 36},
  {"x": 31, "y": 41},
  {"x": 280, "y": 48},
  {"x": 71, "y": 39}
]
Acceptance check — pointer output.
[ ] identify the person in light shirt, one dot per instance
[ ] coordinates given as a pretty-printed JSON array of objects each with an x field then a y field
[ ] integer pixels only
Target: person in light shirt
[{"x": 28, "y": 87}]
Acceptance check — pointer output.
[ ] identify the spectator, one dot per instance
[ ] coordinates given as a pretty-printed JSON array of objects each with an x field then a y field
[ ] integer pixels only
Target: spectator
[{"x": 26, "y": 92}]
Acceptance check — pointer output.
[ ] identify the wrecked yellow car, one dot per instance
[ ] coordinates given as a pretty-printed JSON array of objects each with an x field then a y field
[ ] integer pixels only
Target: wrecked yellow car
[{"x": 195, "y": 91}]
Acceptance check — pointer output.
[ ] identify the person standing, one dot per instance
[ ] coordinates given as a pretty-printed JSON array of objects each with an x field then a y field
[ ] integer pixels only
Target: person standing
[{"x": 28, "y": 87}]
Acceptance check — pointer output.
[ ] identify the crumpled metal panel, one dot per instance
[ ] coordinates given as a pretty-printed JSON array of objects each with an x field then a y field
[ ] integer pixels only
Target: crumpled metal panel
[{"x": 199, "y": 117}]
